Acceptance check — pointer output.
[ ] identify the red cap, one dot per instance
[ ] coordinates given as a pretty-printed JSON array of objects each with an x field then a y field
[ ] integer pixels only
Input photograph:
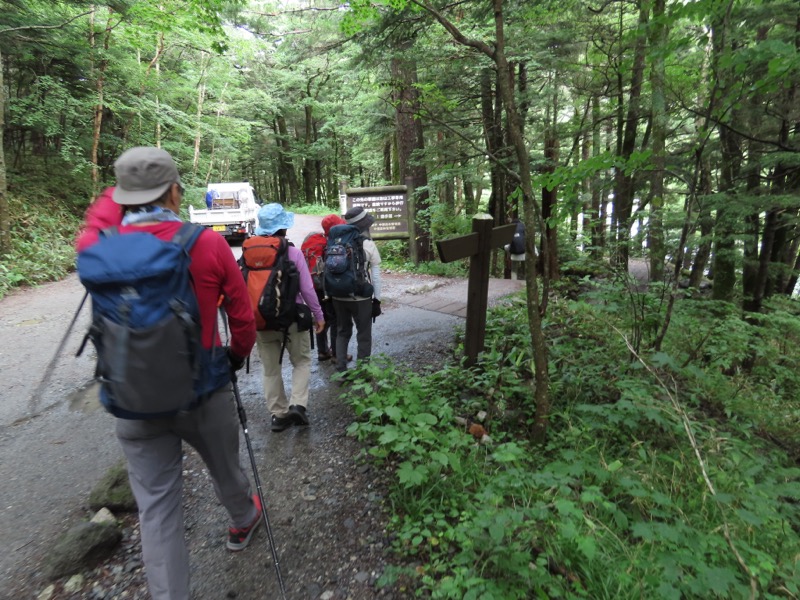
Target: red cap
[{"x": 330, "y": 221}]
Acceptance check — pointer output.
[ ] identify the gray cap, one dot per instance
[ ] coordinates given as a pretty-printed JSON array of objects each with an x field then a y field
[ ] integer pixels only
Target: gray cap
[{"x": 143, "y": 175}]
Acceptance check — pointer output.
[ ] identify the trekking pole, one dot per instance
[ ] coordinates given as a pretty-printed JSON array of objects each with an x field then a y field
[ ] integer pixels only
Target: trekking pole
[
  {"x": 48, "y": 373},
  {"x": 243, "y": 420}
]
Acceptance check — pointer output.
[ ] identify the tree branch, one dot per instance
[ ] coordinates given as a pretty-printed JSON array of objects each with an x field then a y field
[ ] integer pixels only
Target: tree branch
[
  {"x": 455, "y": 31},
  {"x": 483, "y": 151},
  {"x": 28, "y": 27}
]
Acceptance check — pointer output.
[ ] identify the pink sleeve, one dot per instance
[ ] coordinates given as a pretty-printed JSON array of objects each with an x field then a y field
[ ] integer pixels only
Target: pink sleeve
[{"x": 307, "y": 293}]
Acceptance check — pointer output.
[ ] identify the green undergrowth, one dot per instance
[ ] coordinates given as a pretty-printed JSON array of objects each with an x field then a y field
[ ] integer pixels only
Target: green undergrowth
[
  {"x": 660, "y": 477},
  {"x": 395, "y": 257},
  {"x": 42, "y": 237},
  {"x": 318, "y": 209}
]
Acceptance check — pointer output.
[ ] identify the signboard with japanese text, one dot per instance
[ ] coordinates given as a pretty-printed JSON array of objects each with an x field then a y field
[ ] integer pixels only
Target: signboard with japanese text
[{"x": 389, "y": 206}]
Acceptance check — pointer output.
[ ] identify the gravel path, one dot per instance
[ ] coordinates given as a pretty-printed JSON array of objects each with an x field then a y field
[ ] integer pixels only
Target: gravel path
[{"x": 325, "y": 506}]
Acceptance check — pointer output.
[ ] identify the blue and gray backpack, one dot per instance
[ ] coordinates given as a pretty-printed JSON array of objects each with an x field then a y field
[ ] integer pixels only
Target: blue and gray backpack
[
  {"x": 146, "y": 324},
  {"x": 345, "y": 263}
]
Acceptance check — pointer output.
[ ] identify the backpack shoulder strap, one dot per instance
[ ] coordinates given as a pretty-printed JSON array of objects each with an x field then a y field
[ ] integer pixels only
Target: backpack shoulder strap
[
  {"x": 187, "y": 235},
  {"x": 283, "y": 246}
]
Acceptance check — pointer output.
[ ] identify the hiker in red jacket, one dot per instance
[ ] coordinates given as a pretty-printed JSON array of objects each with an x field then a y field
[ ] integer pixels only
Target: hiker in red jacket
[{"x": 149, "y": 192}]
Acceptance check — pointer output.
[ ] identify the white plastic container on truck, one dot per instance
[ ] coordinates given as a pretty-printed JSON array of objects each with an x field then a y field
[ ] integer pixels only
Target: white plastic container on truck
[{"x": 233, "y": 211}]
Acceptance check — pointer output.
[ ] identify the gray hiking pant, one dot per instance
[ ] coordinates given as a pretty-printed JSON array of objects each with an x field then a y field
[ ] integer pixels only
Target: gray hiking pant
[
  {"x": 154, "y": 453},
  {"x": 347, "y": 313}
]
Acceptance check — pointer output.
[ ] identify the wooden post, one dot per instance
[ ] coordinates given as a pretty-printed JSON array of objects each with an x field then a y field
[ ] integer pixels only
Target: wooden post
[{"x": 478, "y": 247}]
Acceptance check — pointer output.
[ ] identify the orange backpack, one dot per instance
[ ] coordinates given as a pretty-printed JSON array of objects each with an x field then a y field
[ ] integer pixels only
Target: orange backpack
[{"x": 272, "y": 282}]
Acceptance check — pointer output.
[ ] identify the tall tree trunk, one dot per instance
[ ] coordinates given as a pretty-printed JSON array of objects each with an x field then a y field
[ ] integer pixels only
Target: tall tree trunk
[
  {"x": 724, "y": 263},
  {"x": 550, "y": 200},
  {"x": 725, "y": 255},
  {"x": 583, "y": 208},
  {"x": 792, "y": 282},
  {"x": 159, "y": 50},
  {"x": 659, "y": 124},
  {"x": 790, "y": 258},
  {"x": 535, "y": 305},
  {"x": 785, "y": 283},
  {"x": 701, "y": 192},
  {"x": 5, "y": 217},
  {"x": 750, "y": 265},
  {"x": 597, "y": 215},
  {"x": 288, "y": 176},
  {"x": 470, "y": 203},
  {"x": 491, "y": 115},
  {"x": 198, "y": 134},
  {"x": 623, "y": 187},
  {"x": 99, "y": 68},
  {"x": 706, "y": 223},
  {"x": 213, "y": 139},
  {"x": 98, "y": 108},
  {"x": 784, "y": 183},
  {"x": 409, "y": 139},
  {"x": 387, "y": 161},
  {"x": 447, "y": 195},
  {"x": 309, "y": 173},
  {"x": 755, "y": 298},
  {"x": 533, "y": 218}
]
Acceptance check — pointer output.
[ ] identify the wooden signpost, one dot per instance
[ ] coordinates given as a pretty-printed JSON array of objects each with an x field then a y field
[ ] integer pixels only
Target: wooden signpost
[{"x": 478, "y": 247}]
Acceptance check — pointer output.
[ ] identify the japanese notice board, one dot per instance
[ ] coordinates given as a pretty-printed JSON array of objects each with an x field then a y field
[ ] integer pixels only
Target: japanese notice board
[{"x": 389, "y": 206}]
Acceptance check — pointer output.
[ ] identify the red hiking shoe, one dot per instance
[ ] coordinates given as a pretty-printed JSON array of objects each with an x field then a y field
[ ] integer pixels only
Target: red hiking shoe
[{"x": 238, "y": 539}]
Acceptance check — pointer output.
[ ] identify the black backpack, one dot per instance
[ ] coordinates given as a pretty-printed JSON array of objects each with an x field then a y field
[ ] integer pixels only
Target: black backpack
[
  {"x": 346, "y": 264},
  {"x": 517, "y": 245}
]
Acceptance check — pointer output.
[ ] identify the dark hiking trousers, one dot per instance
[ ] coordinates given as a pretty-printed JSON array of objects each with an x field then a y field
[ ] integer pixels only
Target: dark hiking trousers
[{"x": 349, "y": 312}]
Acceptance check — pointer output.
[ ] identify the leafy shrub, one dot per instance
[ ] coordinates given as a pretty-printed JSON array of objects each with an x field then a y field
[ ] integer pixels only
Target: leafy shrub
[
  {"x": 395, "y": 257},
  {"x": 42, "y": 236},
  {"x": 621, "y": 502},
  {"x": 316, "y": 208}
]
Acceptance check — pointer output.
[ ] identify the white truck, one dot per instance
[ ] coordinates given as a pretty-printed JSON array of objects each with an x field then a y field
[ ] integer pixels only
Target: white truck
[{"x": 233, "y": 210}]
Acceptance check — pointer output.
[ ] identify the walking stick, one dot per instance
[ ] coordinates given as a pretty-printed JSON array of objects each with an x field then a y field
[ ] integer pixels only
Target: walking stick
[
  {"x": 48, "y": 372},
  {"x": 243, "y": 420}
]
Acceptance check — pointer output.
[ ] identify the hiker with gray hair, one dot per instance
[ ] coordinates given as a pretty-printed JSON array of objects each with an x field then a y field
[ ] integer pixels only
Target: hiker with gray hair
[
  {"x": 358, "y": 309},
  {"x": 149, "y": 193}
]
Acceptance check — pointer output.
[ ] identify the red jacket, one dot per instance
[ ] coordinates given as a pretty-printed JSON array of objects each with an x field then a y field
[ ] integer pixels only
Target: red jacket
[
  {"x": 101, "y": 214},
  {"x": 214, "y": 272}
]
